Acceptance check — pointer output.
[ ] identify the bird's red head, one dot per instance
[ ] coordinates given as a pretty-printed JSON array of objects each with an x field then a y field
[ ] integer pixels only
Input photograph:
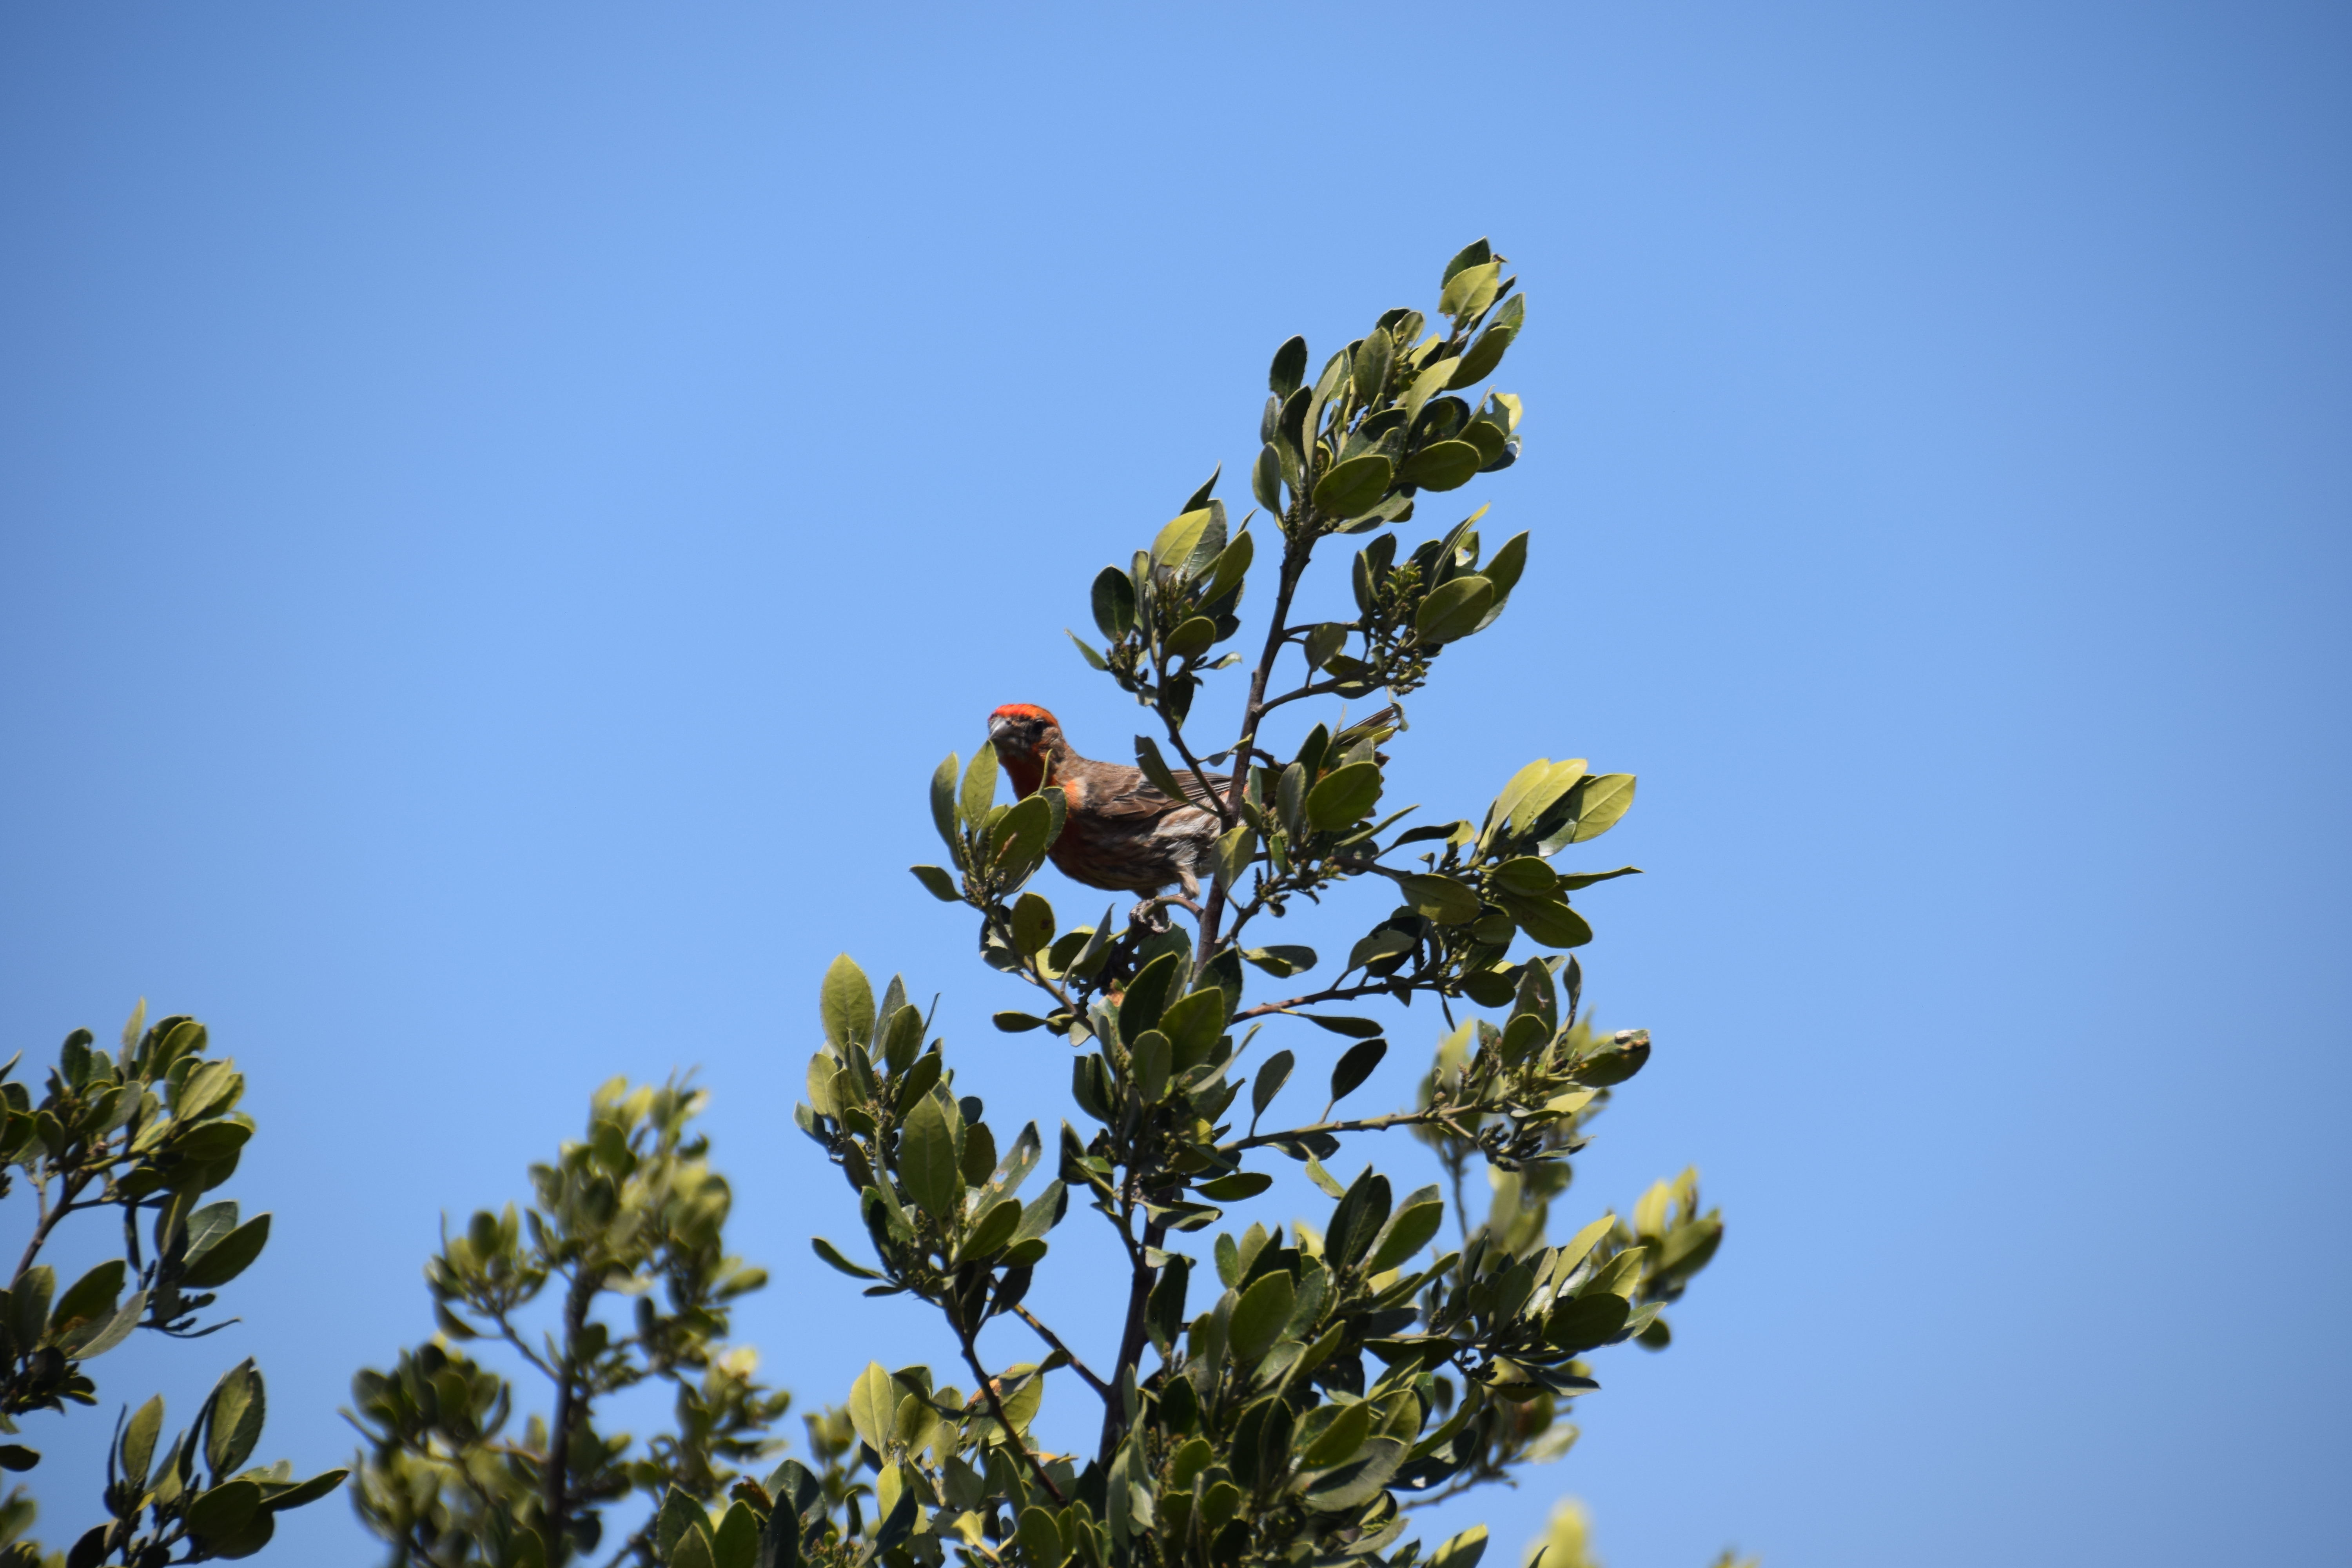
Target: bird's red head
[{"x": 1026, "y": 738}]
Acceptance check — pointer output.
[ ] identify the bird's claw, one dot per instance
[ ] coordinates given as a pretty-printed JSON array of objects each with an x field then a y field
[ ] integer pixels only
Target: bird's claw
[{"x": 1152, "y": 914}]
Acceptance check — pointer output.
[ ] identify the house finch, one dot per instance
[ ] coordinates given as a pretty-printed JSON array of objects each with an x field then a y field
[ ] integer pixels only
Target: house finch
[{"x": 1123, "y": 833}]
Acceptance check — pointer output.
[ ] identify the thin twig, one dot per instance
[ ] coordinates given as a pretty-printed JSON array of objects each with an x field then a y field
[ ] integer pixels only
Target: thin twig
[
  {"x": 1101, "y": 1388},
  {"x": 1332, "y": 994},
  {"x": 997, "y": 1408},
  {"x": 1367, "y": 1124},
  {"x": 1318, "y": 688},
  {"x": 71, "y": 1184}
]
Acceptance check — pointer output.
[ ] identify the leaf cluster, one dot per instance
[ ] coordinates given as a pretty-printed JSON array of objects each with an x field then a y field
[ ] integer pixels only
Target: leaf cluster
[
  {"x": 146, "y": 1134},
  {"x": 634, "y": 1216}
]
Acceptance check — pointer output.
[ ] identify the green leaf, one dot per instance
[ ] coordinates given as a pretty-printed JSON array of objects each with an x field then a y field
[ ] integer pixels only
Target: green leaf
[
  {"x": 1528, "y": 876},
  {"x": 1355, "y": 1065},
  {"x": 1470, "y": 290},
  {"x": 780, "y": 1537},
  {"x": 1453, "y": 610},
  {"x": 1440, "y": 898},
  {"x": 1463, "y": 1550},
  {"x": 979, "y": 790},
  {"x": 29, "y": 1303},
  {"x": 1339, "y": 1441},
  {"x": 1322, "y": 640},
  {"x": 1324, "y": 1179},
  {"x": 1040, "y": 1542},
  {"x": 1342, "y": 1024},
  {"x": 1261, "y": 1315},
  {"x": 1533, "y": 791},
  {"x": 1233, "y": 1188},
  {"x": 1016, "y": 1023},
  {"x": 1087, "y": 650},
  {"x": 1236, "y": 852},
  {"x": 1208, "y": 487},
  {"x": 1265, "y": 480},
  {"x": 207, "y": 1227},
  {"x": 1289, "y": 368},
  {"x": 1148, "y": 995},
  {"x": 737, "y": 1544},
  {"x": 238, "y": 1405},
  {"x": 115, "y": 1330},
  {"x": 138, "y": 1446},
  {"x": 943, "y": 805},
  {"x": 845, "y": 1004},
  {"x": 1571, "y": 881},
  {"x": 1024, "y": 834},
  {"x": 1344, "y": 797},
  {"x": 1408, "y": 1230},
  {"x": 693, "y": 1549},
  {"x": 1475, "y": 254},
  {"x": 938, "y": 883},
  {"x": 1427, "y": 384},
  {"x": 1550, "y": 922},
  {"x": 308, "y": 1492},
  {"x": 1352, "y": 1486},
  {"x": 1584, "y": 1322},
  {"x": 1355, "y": 486},
  {"x": 1270, "y": 1079},
  {"x": 1386, "y": 943},
  {"x": 1442, "y": 465},
  {"x": 834, "y": 1257},
  {"x": 1033, "y": 922},
  {"x": 1601, "y": 802},
  {"x": 927, "y": 1159},
  {"x": 1617, "y": 1277},
  {"x": 1370, "y": 370},
  {"x": 1181, "y": 537},
  {"x": 1503, "y": 570},
  {"x": 1194, "y": 1023},
  {"x": 1153, "y": 1053},
  {"x": 1281, "y": 961},
  {"x": 994, "y": 1234},
  {"x": 1232, "y": 564},
  {"x": 230, "y": 1257},
  {"x": 89, "y": 1302},
  {"x": 1192, "y": 638},
  {"x": 15, "y": 1457},
  {"x": 1614, "y": 1062},
  {"x": 223, "y": 1512},
  {"x": 1478, "y": 362},
  {"x": 1114, "y": 603},
  {"x": 874, "y": 1405},
  {"x": 1155, "y": 768},
  {"x": 1042, "y": 1214}
]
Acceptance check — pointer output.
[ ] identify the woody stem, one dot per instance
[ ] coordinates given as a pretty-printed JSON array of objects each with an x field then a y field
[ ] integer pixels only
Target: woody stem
[{"x": 1293, "y": 566}]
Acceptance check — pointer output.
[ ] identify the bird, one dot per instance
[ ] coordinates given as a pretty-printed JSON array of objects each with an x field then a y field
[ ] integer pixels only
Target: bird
[{"x": 1123, "y": 833}]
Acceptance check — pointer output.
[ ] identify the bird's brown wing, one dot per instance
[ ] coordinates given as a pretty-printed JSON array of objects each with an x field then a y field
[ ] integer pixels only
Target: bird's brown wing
[{"x": 1139, "y": 797}]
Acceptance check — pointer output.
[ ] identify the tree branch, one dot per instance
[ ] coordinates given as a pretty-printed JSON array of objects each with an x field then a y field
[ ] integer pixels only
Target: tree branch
[
  {"x": 1102, "y": 1389},
  {"x": 1298, "y": 544},
  {"x": 1130, "y": 1339},
  {"x": 997, "y": 1408},
  {"x": 1331, "y": 994},
  {"x": 1322, "y": 689},
  {"x": 1223, "y": 809},
  {"x": 568, "y": 1410},
  {"x": 1367, "y": 1124},
  {"x": 71, "y": 1184}
]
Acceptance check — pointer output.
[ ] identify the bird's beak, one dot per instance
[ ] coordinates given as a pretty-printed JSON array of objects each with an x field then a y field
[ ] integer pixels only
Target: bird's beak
[{"x": 997, "y": 725}]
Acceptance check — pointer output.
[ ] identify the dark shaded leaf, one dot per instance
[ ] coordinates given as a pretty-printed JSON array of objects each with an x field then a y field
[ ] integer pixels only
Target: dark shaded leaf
[{"x": 1355, "y": 1066}]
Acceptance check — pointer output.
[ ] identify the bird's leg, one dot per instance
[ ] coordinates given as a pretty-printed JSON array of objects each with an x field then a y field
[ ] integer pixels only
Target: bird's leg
[{"x": 1150, "y": 914}]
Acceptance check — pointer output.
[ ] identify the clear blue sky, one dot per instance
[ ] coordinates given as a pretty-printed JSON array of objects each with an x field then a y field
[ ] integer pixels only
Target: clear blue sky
[{"x": 501, "y": 508}]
